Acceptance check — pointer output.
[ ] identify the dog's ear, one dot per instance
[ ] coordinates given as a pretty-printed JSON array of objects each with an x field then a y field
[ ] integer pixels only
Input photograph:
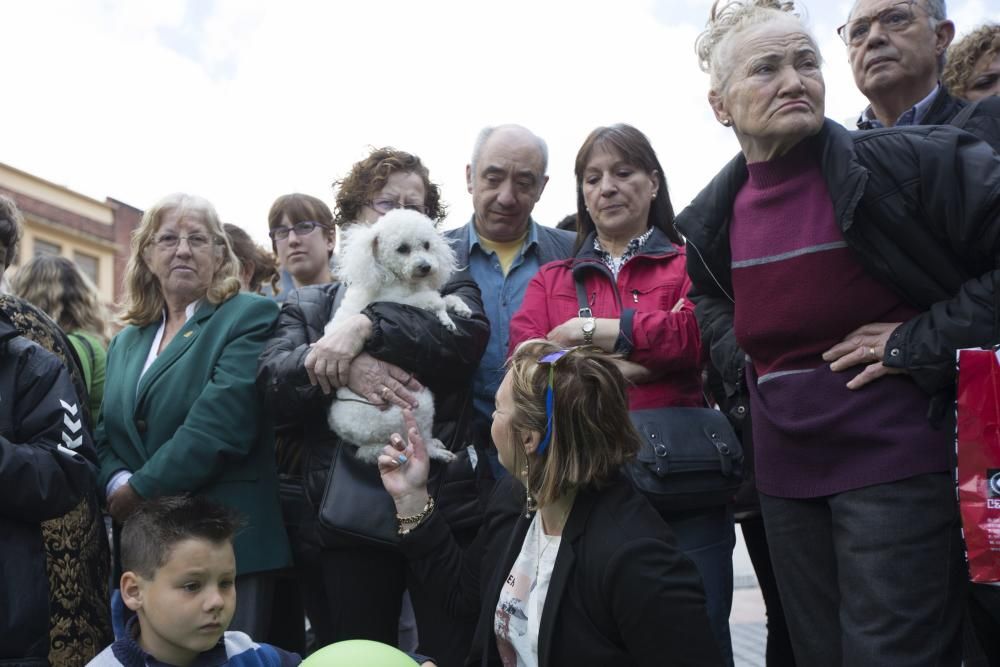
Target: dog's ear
[
  {"x": 355, "y": 260},
  {"x": 447, "y": 262}
]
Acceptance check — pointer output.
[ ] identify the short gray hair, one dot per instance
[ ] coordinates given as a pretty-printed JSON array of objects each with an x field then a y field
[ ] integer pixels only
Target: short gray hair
[
  {"x": 729, "y": 18},
  {"x": 936, "y": 9},
  {"x": 487, "y": 132}
]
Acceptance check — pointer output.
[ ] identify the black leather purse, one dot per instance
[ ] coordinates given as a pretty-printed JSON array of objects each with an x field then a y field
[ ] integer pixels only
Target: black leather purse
[
  {"x": 690, "y": 457},
  {"x": 355, "y": 507}
]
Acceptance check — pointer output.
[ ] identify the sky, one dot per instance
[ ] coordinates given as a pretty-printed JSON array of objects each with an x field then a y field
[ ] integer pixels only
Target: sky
[{"x": 241, "y": 101}]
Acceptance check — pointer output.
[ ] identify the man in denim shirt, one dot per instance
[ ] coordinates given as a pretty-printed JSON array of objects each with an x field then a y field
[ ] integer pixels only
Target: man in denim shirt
[
  {"x": 502, "y": 246},
  {"x": 896, "y": 51}
]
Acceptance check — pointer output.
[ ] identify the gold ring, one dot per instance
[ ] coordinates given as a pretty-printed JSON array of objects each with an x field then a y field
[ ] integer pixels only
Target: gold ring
[{"x": 871, "y": 351}]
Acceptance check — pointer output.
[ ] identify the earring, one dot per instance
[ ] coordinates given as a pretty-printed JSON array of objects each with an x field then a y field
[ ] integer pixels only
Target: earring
[
  {"x": 727, "y": 123},
  {"x": 530, "y": 504},
  {"x": 654, "y": 196}
]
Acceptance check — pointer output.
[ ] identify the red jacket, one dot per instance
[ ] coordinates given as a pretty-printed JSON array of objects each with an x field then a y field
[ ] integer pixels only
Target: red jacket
[{"x": 648, "y": 287}]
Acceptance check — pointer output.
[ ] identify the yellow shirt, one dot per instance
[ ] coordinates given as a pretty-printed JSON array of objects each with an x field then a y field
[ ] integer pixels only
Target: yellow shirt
[{"x": 505, "y": 252}]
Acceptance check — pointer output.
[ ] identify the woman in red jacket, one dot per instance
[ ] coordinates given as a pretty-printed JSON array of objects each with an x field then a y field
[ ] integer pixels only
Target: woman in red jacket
[{"x": 631, "y": 264}]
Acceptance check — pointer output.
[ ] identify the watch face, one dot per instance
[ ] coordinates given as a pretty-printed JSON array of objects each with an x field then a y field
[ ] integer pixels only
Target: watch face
[{"x": 589, "y": 326}]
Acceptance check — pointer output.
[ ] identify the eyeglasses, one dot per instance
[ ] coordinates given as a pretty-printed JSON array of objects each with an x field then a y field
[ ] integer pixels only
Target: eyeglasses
[
  {"x": 896, "y": 17},
  {"x": 551, "y": 360},
  {"x": 169, "y": 241},
  {"x": 385, "y": 205},
  {"x": 300, "y": 228}
]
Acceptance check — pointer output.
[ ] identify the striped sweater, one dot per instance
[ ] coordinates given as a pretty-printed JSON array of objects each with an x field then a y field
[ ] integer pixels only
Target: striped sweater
[{"x": 799, "y": 290}]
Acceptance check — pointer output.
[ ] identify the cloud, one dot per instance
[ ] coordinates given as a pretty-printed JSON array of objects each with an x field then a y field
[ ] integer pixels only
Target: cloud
[{"x": 242, "y": 101}]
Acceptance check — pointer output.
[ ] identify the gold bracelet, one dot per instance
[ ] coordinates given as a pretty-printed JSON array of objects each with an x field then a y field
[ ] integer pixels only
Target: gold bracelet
[{"x": 408, "y": 523}]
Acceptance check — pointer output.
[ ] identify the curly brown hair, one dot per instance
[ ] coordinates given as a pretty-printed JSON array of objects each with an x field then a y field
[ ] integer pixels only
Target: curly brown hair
[
  {"x": 368, "y": 176},
  {"x": 965, "y": 54}
]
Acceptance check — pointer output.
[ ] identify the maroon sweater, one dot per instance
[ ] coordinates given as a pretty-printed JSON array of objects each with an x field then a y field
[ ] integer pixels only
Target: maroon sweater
[{"x": 799, "y": 291}]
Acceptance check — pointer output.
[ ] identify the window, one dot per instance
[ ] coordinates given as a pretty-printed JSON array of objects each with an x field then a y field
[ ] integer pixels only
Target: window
[
  {"x": 46, "y": 248},
  {"x": 88, "y": 264}
]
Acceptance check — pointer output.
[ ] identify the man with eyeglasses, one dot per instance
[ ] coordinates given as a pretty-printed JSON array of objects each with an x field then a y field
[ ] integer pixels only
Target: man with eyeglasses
[
  {"x": 503, "y": 246},
  {"x": 897, "y": 51}
]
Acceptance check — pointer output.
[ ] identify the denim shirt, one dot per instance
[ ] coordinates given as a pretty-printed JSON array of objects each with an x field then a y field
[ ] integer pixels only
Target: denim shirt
[{"x": 502, "y": 296}]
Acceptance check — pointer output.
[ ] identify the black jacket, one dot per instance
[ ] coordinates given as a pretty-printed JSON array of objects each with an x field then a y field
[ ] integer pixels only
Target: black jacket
[
  {"x": 406, "y": 336},
  {"x": 621, "y": 592},
  {"x": 981, "y": 118},
  {"x": 47, "y": 464},
  {"x": 919, "y": 206}
]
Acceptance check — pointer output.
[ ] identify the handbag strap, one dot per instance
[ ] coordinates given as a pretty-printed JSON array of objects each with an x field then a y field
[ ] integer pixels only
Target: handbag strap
[{"x": 581, "y": 298}]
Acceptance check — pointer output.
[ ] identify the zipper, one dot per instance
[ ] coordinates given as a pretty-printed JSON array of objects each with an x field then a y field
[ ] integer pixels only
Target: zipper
[{"x": 709, "y": 270}]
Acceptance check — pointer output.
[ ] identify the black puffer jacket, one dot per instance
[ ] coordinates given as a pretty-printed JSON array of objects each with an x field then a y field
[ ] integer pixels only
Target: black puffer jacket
[
  {"x": 981, "y": 118},
  {"x": 920, "y": 207},
  {"x": 47, "y": 464},
  {"x": 408, "y": 337}
]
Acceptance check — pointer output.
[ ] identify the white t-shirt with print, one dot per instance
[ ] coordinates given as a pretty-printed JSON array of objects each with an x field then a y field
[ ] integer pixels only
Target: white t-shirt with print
[{"x": 519, "y": 609}]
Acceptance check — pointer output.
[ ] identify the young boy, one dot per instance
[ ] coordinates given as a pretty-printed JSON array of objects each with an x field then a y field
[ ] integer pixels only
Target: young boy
[{"x": 180, "y": 570}]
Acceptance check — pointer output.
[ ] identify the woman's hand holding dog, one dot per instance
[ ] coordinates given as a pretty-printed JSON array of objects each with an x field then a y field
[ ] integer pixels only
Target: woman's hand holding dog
[
  {"x": 382, "y": 383},
  {"x": 329, "y": 360},
  {"x": 404, "y": 467}
]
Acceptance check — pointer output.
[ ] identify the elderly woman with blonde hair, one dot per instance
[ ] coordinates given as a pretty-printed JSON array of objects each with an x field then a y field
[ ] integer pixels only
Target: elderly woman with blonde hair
[
  {"x": 834, "y": 276},
  {"x": 181, "y": 412},
  {"x": 57, "y": 286}
]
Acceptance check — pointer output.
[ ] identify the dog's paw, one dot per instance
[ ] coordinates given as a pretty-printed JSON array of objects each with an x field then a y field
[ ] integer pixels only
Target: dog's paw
[
  {"x": 448, "y": 323},
  {"x": 455, "y": 304},
  {"x": 437, "y": 451}
]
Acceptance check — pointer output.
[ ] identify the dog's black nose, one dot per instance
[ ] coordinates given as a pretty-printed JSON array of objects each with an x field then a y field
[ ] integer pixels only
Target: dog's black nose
[{"x": 423, "y": 268}]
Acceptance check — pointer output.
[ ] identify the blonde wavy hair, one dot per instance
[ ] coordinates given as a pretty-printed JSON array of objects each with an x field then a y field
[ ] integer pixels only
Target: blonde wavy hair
[
  {"x": 144, "y": 302},
  {"x": 964, "y": 55},
  {"x": 731, "y": 17},
  {"x": 66, "y": 294},
  {"x": 592, "y": 434}
]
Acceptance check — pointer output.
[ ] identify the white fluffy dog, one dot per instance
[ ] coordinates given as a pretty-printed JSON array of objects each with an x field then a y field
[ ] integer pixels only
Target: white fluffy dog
[{"x": 400, "y": 258}]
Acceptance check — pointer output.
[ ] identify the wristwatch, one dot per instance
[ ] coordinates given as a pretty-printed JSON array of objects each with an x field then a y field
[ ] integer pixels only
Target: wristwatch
[{"x": 589, "y": 327}]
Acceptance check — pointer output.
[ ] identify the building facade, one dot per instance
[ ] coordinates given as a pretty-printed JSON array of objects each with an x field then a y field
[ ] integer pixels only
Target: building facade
[{"x": 58, "y": 221}]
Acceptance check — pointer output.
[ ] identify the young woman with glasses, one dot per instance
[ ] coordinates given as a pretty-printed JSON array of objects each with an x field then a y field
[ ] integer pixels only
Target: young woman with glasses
[
  {"x": 301, "y": 231},
  {"x": 571, "y": 565}
]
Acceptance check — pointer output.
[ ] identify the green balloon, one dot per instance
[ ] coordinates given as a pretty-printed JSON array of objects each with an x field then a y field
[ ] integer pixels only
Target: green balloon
[{"x": 358, "y": 653}]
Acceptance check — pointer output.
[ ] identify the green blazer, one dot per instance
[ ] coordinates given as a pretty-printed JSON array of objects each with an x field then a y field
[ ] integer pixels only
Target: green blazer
[{"x": 194, "y": 422}]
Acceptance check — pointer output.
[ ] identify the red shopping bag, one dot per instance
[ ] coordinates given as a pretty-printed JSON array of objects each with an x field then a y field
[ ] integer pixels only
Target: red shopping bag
[{"x": 978, "y": 448}]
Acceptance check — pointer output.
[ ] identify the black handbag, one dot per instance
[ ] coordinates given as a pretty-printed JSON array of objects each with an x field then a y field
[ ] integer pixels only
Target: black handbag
[
  {"x": 355, "y": 507},
  {"x": 690, "y": 458}
]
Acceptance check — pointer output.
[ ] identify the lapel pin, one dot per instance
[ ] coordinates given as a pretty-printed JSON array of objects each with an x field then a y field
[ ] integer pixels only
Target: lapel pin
[{"x": 188, "y": 334}]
